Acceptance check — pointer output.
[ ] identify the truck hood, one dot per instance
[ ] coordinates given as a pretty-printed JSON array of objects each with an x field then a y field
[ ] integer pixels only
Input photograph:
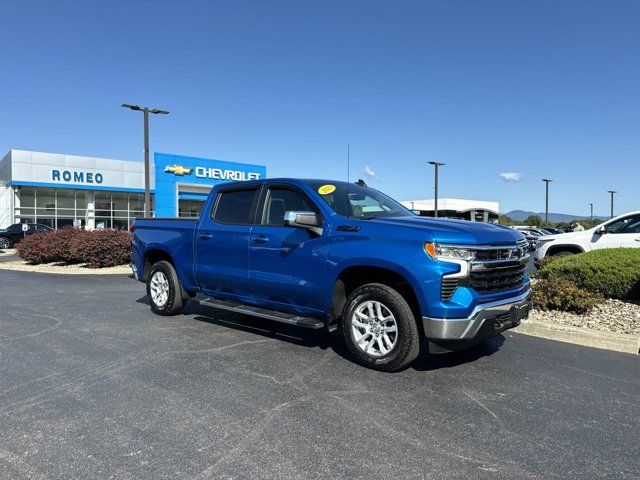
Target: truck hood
[{"x": 456, "y": 231}]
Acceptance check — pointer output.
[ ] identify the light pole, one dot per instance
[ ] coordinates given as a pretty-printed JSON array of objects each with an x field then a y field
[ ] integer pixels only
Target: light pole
[
  {"x": 591, "y": 204},
  {"x": 436, "y": 165},
  {"x": 612, "y": 192},
  {"x": 146, "y": 111},
  {"x": 546, "y": 201}
]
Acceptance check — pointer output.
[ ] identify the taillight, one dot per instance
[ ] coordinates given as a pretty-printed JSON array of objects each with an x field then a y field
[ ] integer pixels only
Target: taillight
[{"x": 132, "y": 228}]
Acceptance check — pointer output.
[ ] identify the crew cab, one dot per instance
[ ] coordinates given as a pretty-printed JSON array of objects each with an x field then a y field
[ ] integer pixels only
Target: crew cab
[
  {"x": 335, "y": 255},
  {"x": 621, "y": 231}
]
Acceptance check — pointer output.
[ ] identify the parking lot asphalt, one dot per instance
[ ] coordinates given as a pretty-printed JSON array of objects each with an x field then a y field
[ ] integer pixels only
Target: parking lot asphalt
[{"x": 93, "y": 385}]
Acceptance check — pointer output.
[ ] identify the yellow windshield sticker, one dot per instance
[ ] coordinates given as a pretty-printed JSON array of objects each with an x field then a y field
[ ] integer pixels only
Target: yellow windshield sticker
[{"x": 326, "y": 189}]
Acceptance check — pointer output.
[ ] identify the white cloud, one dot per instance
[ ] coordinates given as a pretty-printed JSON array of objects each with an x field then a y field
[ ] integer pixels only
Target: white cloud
[
  {"x": 511, "y": 176},
  {"x": 368, "y": 171}
]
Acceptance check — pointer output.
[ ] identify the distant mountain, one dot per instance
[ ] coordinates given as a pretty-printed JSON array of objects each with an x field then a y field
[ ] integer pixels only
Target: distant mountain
[{"x": 520, "y": 215}]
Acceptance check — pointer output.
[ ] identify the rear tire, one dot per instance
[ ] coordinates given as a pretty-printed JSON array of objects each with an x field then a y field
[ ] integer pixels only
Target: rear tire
[
  {"x": 164, "y": 289},
  {"x": 5, "y": 243},
  {"x": 380, "y": 328}
]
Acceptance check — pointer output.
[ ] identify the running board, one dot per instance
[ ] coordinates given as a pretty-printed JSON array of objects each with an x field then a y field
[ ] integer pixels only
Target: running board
[{"x": 291, "y": 319}]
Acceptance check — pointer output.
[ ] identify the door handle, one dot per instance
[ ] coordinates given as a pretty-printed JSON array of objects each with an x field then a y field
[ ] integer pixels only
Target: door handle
[
  {"x": 261, "y": 239},
  {"x": 637, "y": 239},
  {"x": 206, "y": 236}
]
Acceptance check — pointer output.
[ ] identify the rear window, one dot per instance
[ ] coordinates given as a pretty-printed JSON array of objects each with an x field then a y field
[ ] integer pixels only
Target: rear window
[{"x": 235, "y": 206}]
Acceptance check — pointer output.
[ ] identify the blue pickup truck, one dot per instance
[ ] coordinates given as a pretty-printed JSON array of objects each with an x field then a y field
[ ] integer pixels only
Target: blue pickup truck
[{"x": 336, "y": 255}]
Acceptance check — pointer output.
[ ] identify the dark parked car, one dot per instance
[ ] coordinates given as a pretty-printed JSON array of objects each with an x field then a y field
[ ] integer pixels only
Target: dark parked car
[{"x": 13, "y": 234}]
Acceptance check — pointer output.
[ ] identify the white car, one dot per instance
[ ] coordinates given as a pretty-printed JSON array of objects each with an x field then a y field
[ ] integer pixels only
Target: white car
[{"x": 621, "y": 231}]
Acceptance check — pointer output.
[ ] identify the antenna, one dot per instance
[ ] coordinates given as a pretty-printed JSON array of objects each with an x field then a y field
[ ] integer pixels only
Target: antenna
[
  {"x": 348, "y": 161},
  {"x": 348, "y": 181}
]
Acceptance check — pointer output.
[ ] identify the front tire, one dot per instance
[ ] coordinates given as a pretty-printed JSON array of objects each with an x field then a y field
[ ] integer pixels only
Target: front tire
[
  {"x": 164, "y": 290},
  {"x": 380, "y": 328},
  {"x": 5, "y": 243}
]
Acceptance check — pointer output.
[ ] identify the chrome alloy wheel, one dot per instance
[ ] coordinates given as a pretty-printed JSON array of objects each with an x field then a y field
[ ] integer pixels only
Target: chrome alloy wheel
[
  {"x": 374, "y": 328},
  {"x": 159, "y": 289}
]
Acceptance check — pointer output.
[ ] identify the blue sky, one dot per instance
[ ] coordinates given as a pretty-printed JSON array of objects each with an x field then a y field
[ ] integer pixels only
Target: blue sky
[{"x": 542, "y": 89}]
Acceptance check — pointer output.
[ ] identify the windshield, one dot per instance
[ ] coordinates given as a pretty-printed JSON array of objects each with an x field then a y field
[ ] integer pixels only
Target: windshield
[{"x": 355, "y": 201}]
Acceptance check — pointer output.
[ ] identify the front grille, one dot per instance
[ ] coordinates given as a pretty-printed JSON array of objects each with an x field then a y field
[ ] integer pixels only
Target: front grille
[
  {"x": 497, "y": 254},
  {"x": 449, "y": 286},
  {"x": 507, "y": 253},
  {"x": 497, "y": 279}
]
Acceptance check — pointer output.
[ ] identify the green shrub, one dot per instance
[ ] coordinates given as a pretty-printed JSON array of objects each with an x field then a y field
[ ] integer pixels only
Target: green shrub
[
  {"x": 559, "y": 293},
  {"x": 96, "y": 249},
  {"x": 544, "y": 262},
  {"x": 611, "y": 273}
]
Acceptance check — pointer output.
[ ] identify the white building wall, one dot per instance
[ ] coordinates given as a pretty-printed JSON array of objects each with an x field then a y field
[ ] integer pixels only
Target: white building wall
[
  {"x": 6, "y": 193},
  {"x": 49, "y": 168},
  {"x": 6, "y": 205}
]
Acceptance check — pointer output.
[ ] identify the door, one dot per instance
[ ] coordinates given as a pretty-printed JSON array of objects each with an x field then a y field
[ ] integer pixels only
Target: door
[
  {"x": 287, "y": 264},
  {"x": 222, "y": 243},
  {"x": 624, "y": 232}
]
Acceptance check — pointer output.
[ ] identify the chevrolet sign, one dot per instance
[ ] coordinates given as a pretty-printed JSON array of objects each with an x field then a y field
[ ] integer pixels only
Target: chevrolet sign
[
  {"x": 177, "y": 170},
  {"x": 220, "y": 174}
]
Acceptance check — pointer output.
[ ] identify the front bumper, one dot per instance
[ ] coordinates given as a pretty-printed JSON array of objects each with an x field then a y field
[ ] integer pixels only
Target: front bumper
[{"x": 485, "y": 319}]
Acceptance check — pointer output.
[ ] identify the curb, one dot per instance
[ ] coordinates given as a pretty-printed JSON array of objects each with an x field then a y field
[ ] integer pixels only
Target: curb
[
  {"x": 590, "y": 338},
  {"x": 6, "y": 266}
]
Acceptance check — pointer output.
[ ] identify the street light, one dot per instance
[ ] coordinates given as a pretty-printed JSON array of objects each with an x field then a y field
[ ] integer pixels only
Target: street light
[
  {"x": 591, "y": 204},
  {"x": 146, "y": 111},
  {"x": 436, "y": 165},
  {"x": 546, "y": 201},
  {"x": 612, "y": 192}
]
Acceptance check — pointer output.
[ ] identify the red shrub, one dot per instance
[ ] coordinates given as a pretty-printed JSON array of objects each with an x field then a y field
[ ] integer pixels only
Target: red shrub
[
  {"x": 60, "y": 246},
  {"x": 33, "y": 249},
  {"x": 104, "y": 248},
  {"x": 97, "y": 248}
]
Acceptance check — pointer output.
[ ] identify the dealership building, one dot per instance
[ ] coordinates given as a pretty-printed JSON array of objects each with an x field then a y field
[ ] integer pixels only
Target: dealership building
[
  {"x": 62, "y": 190},
  {"x": 462, "y": 209}
]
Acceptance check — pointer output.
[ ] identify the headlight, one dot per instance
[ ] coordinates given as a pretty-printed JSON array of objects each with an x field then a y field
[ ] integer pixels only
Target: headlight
[
  {"x": 540, "y": 243},
  {"x": 444, "y": 253}
]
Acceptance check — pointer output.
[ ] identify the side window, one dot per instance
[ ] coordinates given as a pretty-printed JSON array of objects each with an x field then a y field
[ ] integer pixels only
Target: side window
[
  {"x": 629, "y": 224},
  {"x": 364, "y": 205},
  {"x": 234, "y": 206},
  {"x": 280, "y": 200}
]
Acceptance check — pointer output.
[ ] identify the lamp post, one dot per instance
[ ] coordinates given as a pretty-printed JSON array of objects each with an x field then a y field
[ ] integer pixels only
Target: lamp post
[
  {"x": 436, "y": 165},
  {"x": 146, "y": 111},
  {"x": 591, "y": 204},
  {"x": 546, "y": 201},
  {"x": 612, "y": 192}
]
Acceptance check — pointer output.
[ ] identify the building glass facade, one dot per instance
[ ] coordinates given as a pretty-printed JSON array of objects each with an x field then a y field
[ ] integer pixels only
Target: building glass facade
[{"x": 59, "y": 208}]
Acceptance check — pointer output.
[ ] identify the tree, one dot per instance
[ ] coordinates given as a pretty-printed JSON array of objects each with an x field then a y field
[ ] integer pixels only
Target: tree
[
  {"x": 533, "y": 220},
  {"x": 506, "y": 220}
]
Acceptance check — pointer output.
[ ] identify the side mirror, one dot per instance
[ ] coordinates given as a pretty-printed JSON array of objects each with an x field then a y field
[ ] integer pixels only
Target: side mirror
[
  {"x": 306, "y": 220},
  {"x": 602, "y": 230}
]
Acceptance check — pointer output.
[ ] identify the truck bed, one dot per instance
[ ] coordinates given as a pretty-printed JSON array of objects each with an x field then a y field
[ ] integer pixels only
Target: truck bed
[{"x": 172, "y": 235}]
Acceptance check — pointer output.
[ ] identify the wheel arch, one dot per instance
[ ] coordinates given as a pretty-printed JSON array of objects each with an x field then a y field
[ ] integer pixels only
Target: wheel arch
[
  {"x": 555, "y": 249},
  {"x": 153, "y": 256},
  {"x": 354, "y": 276}
]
